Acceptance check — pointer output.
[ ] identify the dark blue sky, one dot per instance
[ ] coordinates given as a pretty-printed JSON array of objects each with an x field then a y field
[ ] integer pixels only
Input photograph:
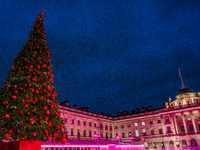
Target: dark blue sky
[{"x": 110, "y": 55}]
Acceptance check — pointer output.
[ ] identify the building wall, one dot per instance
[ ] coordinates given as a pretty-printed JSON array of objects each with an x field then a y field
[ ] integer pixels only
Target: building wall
[{"x": 161, "y": 125}]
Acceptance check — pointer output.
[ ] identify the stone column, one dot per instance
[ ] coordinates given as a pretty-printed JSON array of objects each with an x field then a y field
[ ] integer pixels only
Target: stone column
[
  {"x": 175, "y": 123},
  {"x": 184, "y": 123},
  {"x": 163, "y": 126},
  {"x": 193, "y": 122}
]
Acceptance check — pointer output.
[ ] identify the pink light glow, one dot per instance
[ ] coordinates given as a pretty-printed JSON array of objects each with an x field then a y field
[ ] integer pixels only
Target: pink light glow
[
  {"x": 142, "y": 138},
  {"x": 97, "y": 135},
  {"x": 131, "y": 137},
  {"x": 118, "y": 137}
]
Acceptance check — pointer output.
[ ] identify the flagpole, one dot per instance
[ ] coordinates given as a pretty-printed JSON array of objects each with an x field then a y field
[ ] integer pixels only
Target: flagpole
[{"x": 179, "y": 72}]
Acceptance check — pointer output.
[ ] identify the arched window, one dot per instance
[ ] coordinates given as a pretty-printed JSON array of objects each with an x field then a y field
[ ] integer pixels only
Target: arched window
[
  {"x": 154, "y": 144},
  {"x": 163, "y": 144},
  {"x": 193, "y": 142},
  {"x": 171, "y": 143},
  {"x": 146, "y": 145},
  {"x": 123, "y": 135},
  {"x": 184, "y": 143}
]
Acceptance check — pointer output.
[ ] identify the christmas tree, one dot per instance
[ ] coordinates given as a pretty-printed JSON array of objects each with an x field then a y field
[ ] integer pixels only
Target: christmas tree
[{"x": 29, "y": 110}]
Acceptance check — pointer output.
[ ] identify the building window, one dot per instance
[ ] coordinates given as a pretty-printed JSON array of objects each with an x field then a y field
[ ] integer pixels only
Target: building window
[
  {"x": 160, "y": 131},
  {"x": 123, "y": 135},
  {"x": 184, "y": 143},
  {"x": 101, "y": 126},
  {"x": 129, "y": 133},
  {"x": 137, "y": 133},
  {"x": 182, "y": 129},
  {"x": 193, "y": 142},
  {"x": 84, "y": 123},
  {"x": 106, "y": 127},
  {"x": 143, "y": 123},
  {"x": 65, "y": 120},
  {"x": 169, "y": 129},
  {"x": 152, "y": 132},
  {"x": 90, "y": 124},
  {"x": 136, "y": 124},
  {"x": 154, "y": 144},
  {"x": 110, "y": 135},
  {"x": 122, "y": 126},
  {"x": 106, "y": 135},
  {"x": 72, "y": 121},
  {"x": 78, "y": 132},
  {"x": 197, "y": 117},
  {"x": 95, "y": 132},
  {"x": 72, "y": 131},
  {"x": 90, "y": 134},
  {"x": 101, "y": 134},
  {"x": 167, "y": 120},
  {"x": 159, "y": 121},
  {"x": 116, "y": 134},
  {"x": 151, "y": 122},
  {"x": 171, "y": 143},
  {"x": 129, "y": 125},
  {"x": 188, "y": 118},
  {"x": 95, "y": 125},
  {"x": 144, "y": 132},
  {"x": 110, "y": 128},
  {"x": 116, "y": 127},
  {"x": 79, "y": 122},
  {"x": 84, "y": 133},
  {"x": 191, "y": 127}
]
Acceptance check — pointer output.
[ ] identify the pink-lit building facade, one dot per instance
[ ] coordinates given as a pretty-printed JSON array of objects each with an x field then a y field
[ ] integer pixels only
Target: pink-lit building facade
[{"x": 177, "y": 124}]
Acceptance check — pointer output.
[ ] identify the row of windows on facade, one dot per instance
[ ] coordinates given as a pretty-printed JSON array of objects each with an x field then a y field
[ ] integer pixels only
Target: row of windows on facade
[{"x": 90, "y": 124}]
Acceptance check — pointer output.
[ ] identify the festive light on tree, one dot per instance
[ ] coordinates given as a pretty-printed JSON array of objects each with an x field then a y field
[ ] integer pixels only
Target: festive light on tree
[{"x": 29, "y": 110}]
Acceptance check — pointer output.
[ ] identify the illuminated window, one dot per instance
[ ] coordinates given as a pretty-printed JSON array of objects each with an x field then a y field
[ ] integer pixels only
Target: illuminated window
[
  {"x": 188, "y": 118},
  {"x": 129, "y": 133},
  {"x": 143, "y": 123},
  {"x": 137, "y": 133},
  {"x": 197, "y": 117},
  {"x": 72, "y": 121},
  {"x": 136, "y": 124},
  {"x": 144, "y": 130}
]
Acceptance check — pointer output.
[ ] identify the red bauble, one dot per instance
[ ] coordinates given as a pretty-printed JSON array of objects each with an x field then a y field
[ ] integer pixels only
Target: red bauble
[
  {"x": 47, "y": 112},
  {"x": 34, "y": 134},
  {"x": 10, "y": 131},
  {"x": 38, "y": 67},
  {"x": 57, "y": 141},
  {"x": 5, "y": 102},
  {"x": 34, "y": 109},
  {"x": 22, "y": 101},
  {"x": 21, "y": 88},
  {"x": 56, "y": 113},
  {"x": 15, "y": 86},
  {"x": 51, "y": 106},
  {"x": 32, "y": 122},
  {"x": 29, "y": 85},
  {"x": 28, "y": 113},
  {"x": 20, "y": 111},
  {"x": 7, "y": 137},
  {"x": 57, "y": 127},
  {"x": 49, "y": 138},
  {"x": 46, "y": 118},
  {"x": 64, "y": 140},
  {"x": 7, "y": 116},
  {"x": 14, "y": 97},
  {"x": 48, "y": 87},
  {"x": 36, "y": 91},
  {"x": 21, "y": 124},
  {"x": 44, "y": 107},
  {"x": 32, "y": 90},
  {"x": 55, "y": 134},
  {"x": 31, "y": 66},
  {"x": 25, "y": 84},
  {"x": 45, "y": 91},
  {"x": 33, "y": 102},
  {"x": 26, "y": 106},
  {"x": 26, "y": 96},
  {"x": 44, "y": 84},
  {"x": 15, "y": 91},
  {"x": 64, "y": 135},
  {"x": 28, "y": 78},
  {"x": 36, "y": 99},
  {"x": 46, "y": 131},
  {"x": 49, "y": 124},
  {"x": 40, "y": 122}
]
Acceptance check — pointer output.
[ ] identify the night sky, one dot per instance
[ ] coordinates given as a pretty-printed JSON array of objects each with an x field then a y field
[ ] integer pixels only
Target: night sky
[{"x": 110, "y": 55}]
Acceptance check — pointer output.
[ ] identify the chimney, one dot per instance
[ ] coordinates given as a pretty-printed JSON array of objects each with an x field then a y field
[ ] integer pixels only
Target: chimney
[
  {"x": 118, "y": 113},
  {"x": 143, "y": 109},
  {"x": 133, "y": 111},
  {"x": 102, "y": 113},
  {"x": 75, "y": 106},
  {"x": 125, "y": 112},
  {"x": 109, "y": 115},
  {"x": 150, "y": 108},
  {"x": 163, "y": 105},
  {"x": 65, "y": 103},
  {"x": 87, "y": 109},
  {"x": 137, "y": 110}
]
